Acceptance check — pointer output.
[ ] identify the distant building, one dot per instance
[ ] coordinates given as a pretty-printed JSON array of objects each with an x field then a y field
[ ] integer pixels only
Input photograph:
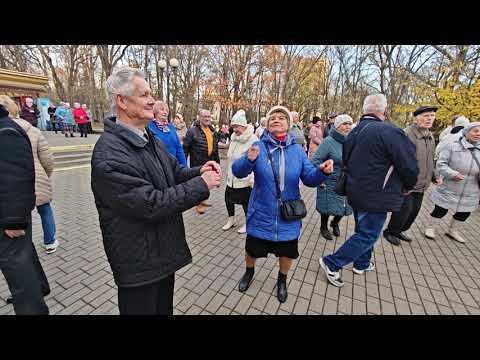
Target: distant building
[{"x": 20, "y": 85}]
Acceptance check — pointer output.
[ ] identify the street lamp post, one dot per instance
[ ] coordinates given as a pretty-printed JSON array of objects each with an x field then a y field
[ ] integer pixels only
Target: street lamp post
[
  {"x": 162, "y": 64},
  {"x": 174, "y": 66},
  {"x": 171, "y": 69}
]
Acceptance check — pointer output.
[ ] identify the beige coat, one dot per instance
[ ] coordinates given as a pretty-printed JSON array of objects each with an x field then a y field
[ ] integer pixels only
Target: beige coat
[
  {"x": 425, "y": 145},
  {"x": 43, "y": 160},
  {"x": 239, "y": 145}
]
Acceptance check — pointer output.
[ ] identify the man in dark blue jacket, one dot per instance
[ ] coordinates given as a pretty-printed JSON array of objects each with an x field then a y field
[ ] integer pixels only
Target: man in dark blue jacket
[
  {"x": 382, "y": 168},
  {"x": 19, "y": 261}
]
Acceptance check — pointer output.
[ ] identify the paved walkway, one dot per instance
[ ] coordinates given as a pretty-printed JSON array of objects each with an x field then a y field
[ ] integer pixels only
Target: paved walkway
[{"x": 424, "y": 277}]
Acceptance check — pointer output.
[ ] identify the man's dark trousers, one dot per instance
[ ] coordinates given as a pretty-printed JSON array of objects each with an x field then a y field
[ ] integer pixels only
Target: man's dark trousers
[
  {"x": 24, "y": 274},
  {"x": 402, "y": 220}
]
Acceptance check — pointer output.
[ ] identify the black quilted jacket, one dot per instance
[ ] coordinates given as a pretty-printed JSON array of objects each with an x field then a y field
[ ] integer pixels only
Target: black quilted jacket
[
  {"x": 17, "y": 175},
  {"x": 195, "y": 146},
  {"x": 140, "y": 193}
]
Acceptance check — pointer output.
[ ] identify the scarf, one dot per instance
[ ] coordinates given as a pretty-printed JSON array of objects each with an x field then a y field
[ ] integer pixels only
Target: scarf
[
  {"x": 161, "y": 125},
  {"x": 278, "y": 143}
]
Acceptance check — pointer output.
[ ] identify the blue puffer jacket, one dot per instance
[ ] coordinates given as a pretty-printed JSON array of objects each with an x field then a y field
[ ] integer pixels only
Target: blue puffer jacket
[
  {"x": 263, "y": 218},
  {"x": 328, "y": 201},
  {"x": 383, "y": 164}
]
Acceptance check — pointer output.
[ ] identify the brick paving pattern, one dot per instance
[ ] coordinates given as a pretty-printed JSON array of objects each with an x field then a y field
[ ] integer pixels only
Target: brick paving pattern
[{"x": 424, "y": 277}]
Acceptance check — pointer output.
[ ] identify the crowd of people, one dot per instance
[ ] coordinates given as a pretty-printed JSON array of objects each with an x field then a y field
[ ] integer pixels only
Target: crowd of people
[
  {"x": 148, "y": 170},
  {"x": 62, "y": 118}
]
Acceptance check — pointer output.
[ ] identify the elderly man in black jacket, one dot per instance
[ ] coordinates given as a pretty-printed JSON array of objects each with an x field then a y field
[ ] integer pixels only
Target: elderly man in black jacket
[
  {"x": 201, "y": 145},
  {"x": 19, "y": 261},
  {"x": 140, "y": 192},
  {"x": 381, "y": 169}
]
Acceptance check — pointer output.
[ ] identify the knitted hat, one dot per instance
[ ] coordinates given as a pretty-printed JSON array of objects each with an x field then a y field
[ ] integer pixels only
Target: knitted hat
[
  {"x": 239, "y": 118},
  {"x": 470, "y": 127},
  {"x": 282, "y": 109},
  {"x": 341, "y": 119},
  {"x": 462, "y": 121}
]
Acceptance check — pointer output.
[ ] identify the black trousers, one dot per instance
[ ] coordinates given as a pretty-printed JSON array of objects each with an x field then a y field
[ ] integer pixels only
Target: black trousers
[
  {"x": 402, "y": 220},
  {"x": 237, "y": 196},
  {"x": 439, "y": 212},
  {"x": 24, "y": 274},
  {"x": 83, "y": 129},
  {"x": 324, "y": 220},
  {"x": 152, "y": 299}
]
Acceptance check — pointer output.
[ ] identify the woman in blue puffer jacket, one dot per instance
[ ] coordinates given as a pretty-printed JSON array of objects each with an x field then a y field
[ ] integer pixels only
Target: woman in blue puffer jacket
[{"x": 267, "y": 231}]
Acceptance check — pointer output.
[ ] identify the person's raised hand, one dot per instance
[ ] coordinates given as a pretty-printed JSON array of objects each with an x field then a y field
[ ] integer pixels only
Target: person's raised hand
[
  {"x": 253, "y": 152},
  {"x": 459, "y": 177}
]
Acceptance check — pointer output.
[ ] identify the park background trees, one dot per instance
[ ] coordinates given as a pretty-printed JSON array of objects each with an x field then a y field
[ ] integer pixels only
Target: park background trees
[{"x": 313, "y": 80}]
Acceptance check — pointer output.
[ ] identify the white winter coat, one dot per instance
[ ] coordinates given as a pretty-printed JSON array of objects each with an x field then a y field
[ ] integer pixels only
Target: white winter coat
[
  {"x": 459, "y": 196},
  {"x": 238, "y": 146}
]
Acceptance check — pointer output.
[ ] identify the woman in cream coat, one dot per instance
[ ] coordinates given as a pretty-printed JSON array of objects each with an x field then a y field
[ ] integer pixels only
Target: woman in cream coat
[{"x": 238, "y": 190}]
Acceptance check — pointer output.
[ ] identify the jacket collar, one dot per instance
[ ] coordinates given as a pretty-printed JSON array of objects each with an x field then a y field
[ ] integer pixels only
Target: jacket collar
[
  {"x": 337, "y": 136},
  {"x": 419, "y": 134},
  {"x": 370, "y": 117},
  {"x": 466, "y": 144},
  {"x": 125, "y": 134},
  {"x": 268, "y": 138},
  {"x": 3, "y": 111}
]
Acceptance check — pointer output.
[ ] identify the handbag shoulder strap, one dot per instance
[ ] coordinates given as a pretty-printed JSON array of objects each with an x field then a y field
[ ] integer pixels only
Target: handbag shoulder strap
[
  {"x": 270, "y": 160},
  {"x": 472, "y": 150},
  {"x": 347, "y": 157}
]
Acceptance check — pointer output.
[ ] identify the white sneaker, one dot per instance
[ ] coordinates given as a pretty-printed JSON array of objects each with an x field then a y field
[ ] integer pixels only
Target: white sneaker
[
  {"x": 51, "y": 248},
  {"x": 370, "y": 267},
  {"x": 242, "y": 229},
  {"x": 230, "y": 223},
  {"x": 333, "y": 277},
  {"x": 453, "y": 233}
]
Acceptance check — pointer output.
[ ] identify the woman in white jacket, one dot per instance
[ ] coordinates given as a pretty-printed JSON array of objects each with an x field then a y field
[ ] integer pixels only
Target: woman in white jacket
[{"x": 238, "y": 190}]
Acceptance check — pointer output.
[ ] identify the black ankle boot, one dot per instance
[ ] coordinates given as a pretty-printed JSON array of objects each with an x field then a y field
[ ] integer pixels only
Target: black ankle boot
[
  {"x": 326, "y": 234},
  {"x": 335, "y": 228},
  {"x": 282, "y": 293},
  {"x": 246, "y": 280}
]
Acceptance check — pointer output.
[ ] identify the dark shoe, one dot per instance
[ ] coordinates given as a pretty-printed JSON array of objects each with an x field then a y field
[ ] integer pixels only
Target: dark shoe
[
  {"x": 246, "y": 281},
  {"x": 326, "y": 234},
  {"x": 404, "y": 237},
  {"x": 335, "y": 229},
  {"x": 392, "y": 239},
  {"x": 9, "y": 300},
  {"x": 66, "y": 135},
  {"x": 71, "y": 135},
  {"x": 282, "y": 293}
]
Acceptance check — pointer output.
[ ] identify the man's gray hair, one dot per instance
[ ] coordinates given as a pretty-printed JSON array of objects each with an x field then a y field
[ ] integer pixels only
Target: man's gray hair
[
  {"x": 374, "y": 104},
  {"x": 120, "y": 83}
]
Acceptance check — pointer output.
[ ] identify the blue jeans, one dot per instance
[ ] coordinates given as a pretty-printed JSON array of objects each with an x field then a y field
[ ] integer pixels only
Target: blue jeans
[
  {"x": 48, "y": 223},
  {"x": 359, "y": 247}
]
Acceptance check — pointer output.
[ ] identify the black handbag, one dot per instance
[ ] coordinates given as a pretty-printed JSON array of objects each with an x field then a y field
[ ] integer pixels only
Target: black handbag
[
  {"x": 341, "y": 184},
  {"x": 291, "y": 210}
]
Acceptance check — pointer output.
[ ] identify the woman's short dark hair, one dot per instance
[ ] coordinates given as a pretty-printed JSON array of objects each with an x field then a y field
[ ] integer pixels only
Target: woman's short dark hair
[{"x": 315, "y": 119}]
